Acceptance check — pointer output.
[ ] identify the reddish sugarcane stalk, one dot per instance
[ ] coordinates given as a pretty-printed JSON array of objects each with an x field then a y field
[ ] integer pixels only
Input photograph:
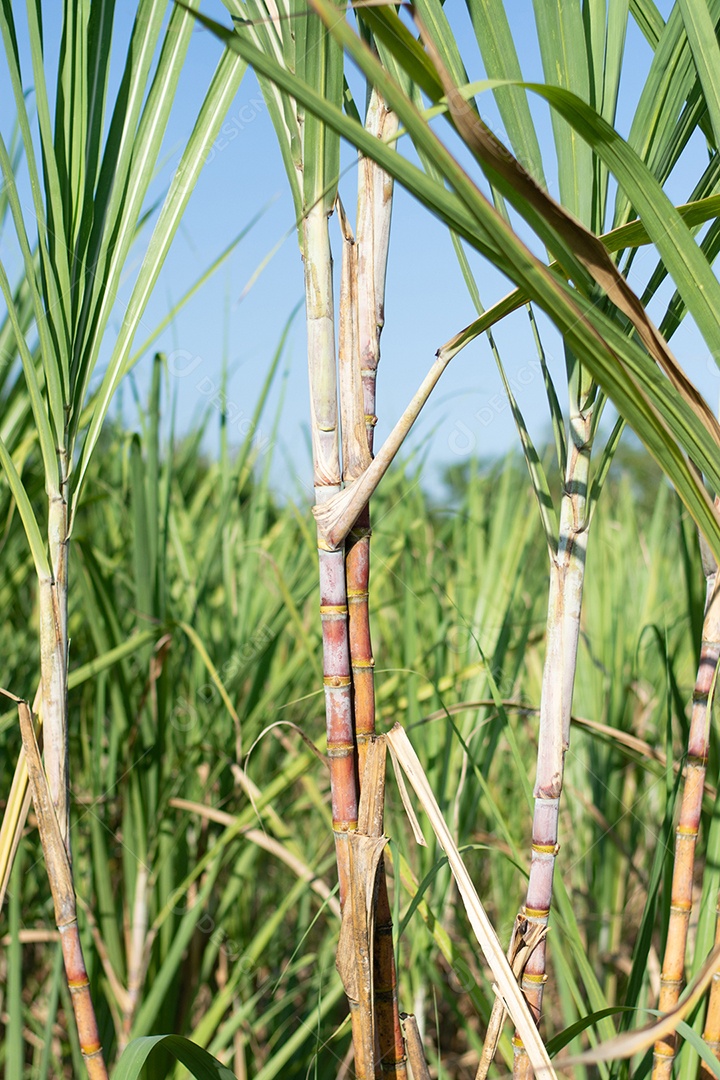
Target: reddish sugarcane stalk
[
  {"x": 333, "y": 596},
  {"x": 567, "y": 569},
  {"x": 362, "y": 319},
  {"x": 686, "y": 834}
]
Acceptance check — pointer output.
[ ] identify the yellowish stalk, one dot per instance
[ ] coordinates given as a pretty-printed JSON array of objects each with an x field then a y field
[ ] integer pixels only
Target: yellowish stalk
[
  {"x": 53, "y": 663},
  {"x": 567, "y": 571}
]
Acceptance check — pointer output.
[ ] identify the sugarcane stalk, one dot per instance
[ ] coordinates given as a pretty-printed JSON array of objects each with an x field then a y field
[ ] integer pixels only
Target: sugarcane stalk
[
  {"x": 416, "y": 1052},
  {"x": 567, "y": 569},
  {"x": 686, "y": 834},
  {"x": 337, "y": 515},
  {"x": 53, "y": 592},
  {"x": 374, "y": 212},
  {"x": 59, "y": 872},
  {"x": 673, "y": 969},
  {"x": 361, "y": 322},
  {"x": 333, "y": 597},
  {"x": 50, "y": 786},
  {"x": 355, "y": 956},
  {"x": 337, "y": 678},
  {"x": 522, "y": 942}
]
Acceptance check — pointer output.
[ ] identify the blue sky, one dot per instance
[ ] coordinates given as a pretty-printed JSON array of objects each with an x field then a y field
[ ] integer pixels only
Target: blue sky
[{"x": 426, "y": 303}]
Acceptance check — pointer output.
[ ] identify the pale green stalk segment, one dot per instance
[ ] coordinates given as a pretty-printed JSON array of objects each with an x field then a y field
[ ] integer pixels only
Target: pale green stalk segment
[
  {"x": 223, "y": 88},
  {"x": 567, "y": 577},
  {"x": 46, "y": 439},
  {"x": 492, "y": 29},
  {"x": 700, "y": 30},
  {"x": 564, "y": 57},
  {"x": 321, "y": 348},
  {"x": 27, "y": 515}
]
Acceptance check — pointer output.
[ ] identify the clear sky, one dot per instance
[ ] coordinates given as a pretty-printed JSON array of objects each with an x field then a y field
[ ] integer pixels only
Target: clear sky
[{"x": 426, "y": 303}]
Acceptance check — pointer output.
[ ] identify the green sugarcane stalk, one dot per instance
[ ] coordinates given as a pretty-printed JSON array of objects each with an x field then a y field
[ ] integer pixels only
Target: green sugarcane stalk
[{"x": 567, "y": 572}]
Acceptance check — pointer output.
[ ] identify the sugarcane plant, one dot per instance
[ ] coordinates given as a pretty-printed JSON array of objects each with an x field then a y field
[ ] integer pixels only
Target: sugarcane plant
[
  {"x": 87, "y": 198},
  {"x": 342, "y": 396},
  {"x": 613, "y": 348}
]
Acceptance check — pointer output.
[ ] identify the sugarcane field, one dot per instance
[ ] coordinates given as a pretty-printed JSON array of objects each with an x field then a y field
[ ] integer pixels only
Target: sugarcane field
[{"x": 359, "y": 540}]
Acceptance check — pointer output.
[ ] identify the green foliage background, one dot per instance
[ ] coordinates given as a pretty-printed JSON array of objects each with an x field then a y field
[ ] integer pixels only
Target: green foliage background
[{"x": 191, "y": 578}]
